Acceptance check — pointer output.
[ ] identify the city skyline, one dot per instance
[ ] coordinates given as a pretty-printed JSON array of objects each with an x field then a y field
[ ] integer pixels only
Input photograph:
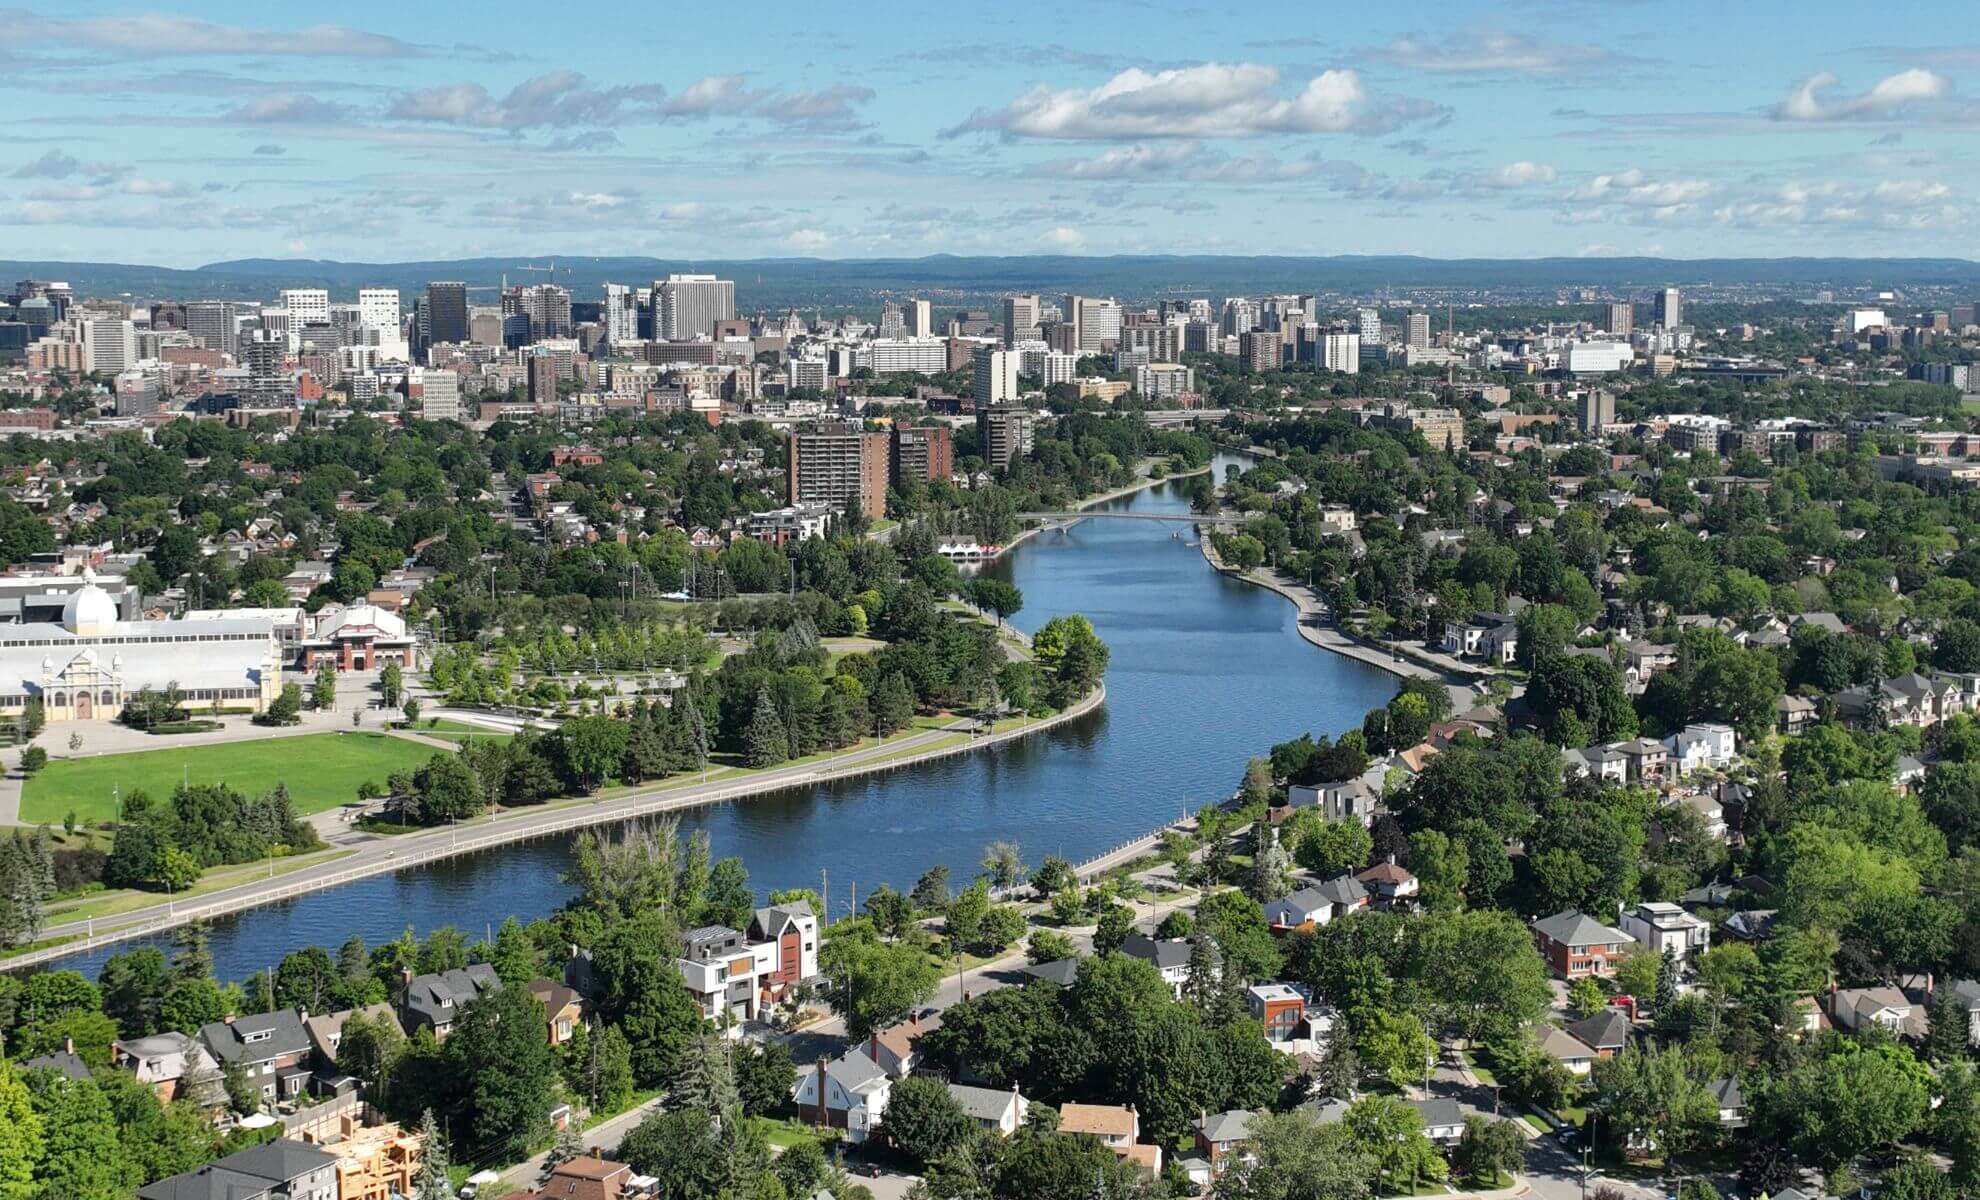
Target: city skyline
[{"x": 185, "y": 135}]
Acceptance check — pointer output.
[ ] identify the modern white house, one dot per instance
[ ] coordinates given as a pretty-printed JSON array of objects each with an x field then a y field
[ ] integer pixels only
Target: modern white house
[
  {"x": 1703, "y": 747},
  {"x": 1659, "y": 925}
]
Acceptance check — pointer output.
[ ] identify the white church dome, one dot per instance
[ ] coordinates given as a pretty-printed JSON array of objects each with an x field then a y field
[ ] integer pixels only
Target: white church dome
[{"x": 89, "y": 607}]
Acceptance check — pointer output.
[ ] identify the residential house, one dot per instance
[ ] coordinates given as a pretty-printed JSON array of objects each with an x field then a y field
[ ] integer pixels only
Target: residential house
[
  {"x": 272, "y": 1048},
  {"x": 1443, "y": 1120},
  {"x": 1750, "y": 925},
  {"x": 1731, "y": 1102},
  {"x": 1910, "y": 699},
  {"x": 1570, "y": 1051},
  {"x": 374, "y": 1162},
  {"x": 1700, "y": 747},
  {"x": 1488, "y": 635},
  {"x": 437, "y": 1000},
  {"x": 63, "y": 1062},
  {"x": 1218, "y": 1137},
  {"x": 1169, "y": 956},
  {"x": 1061, "y": 971},
  {"x": 1605, "y": 764},
  {"x": 992, "y": 1108},
  {"x": 1607, "y": 1032},
  {"x": 1967, "y": 992},
  {"x": 173, "y": 1065},
  {"x": 589, "y": 1177},
  {"x": 893, "y": 1047},
  {"x": 1316, "y": 905},
  {"x": 1854, "y": 1009},
  {"x": 1644, "y": 760},
  {"x": 1576, "y": 945},
  {"x": 1659, "y": 926},
  {"x": 563, "y": 1009},
  {"x": 1118, "y": 1127},
  {"x": 793, "y": 929},
  {"x": 326, "y": 1033},
  {"x": 1279, "y": 1007},
  {"x": 1343, "y": 800},
  {"x": 283, "y": 1169},
  {"x": 1711, "y": 813},
  {"x": 1389, "y": 886},
  {"x": 849, "y": 1092},
  {"x": 1793, "y": 714},
  {"x": 738, "y": 974}
]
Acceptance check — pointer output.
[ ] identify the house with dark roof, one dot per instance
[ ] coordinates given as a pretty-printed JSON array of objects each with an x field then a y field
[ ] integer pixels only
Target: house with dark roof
[
  {"x": 1443, "y": 1120},
  {"x": 279, "y": 1170},
  {"x": 1218, "y": 1136},
  {"x": 272, "y": 1048},
  {"x": 1061, "y": 971},
  {"x": 849, "y": 1092},
  {"x": 1316, "y": 905},
  {"x": 1170, "y": 956},
  {"x": 1389, "y": 886},
  {"x": 563, "y": 1009},
  {"x": 64, "y": 1062},
  {"x": 437, "y": 1000},
  {"x": 1607, "y": 1032},
  {"x": 1731, "y": 1102},
  {"x": 1577, "y": 945},
  {"x": 1000, "y": 1111}
]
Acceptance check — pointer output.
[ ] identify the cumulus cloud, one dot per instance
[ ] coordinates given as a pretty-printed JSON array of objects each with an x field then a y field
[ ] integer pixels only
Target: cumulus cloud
[
  {"x": 1063, "y": 237},
  {"x": 1496, "y": 52},
  {"x": 289, "y": 108},
  {"x": 1519, "y": 174},
  {"x": 824, "y": 108},
  {"x": 1205, "y": 101},
  {"x": 1815, "y": 99},
  {"x": 1636, "y": 189},
  {"x": 58, "y": 164},
  {"x": 562, "y": 99},
  {"x": 1889, "y": 204},
  {"x": 271, "y": 150},
  {"x": 808, "y": 239},
  {"x": 1198, "y": 163},
  {"x": 152, "y": 35}
]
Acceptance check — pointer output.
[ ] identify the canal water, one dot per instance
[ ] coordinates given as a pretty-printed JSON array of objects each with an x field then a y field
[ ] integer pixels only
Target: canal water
[{"x": 1205, "y": 673}]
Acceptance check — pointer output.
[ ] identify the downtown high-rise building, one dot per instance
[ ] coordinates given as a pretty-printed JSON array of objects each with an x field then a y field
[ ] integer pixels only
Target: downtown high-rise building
[
  {"x": 686, "y": 307},
  {"x": 109, "y": 345},
  {"x": 440, "y": 395},
  {"x": 1670, "y": 308},
  {"x": 269, "y": 385},
  {"x": 920, "y": 318},
  {"x": 839, "y": 463},
  {"x": 1371, "y": 326},
  {"x": 445, "y": 313},
  {"x": 212, "y": 322},
  {"x": 1004, "y": 433},
  {"x": 1339, "y": 350},
  {"x": 1020, "y": 319},
  {"x": 307, "y": 306},
  {"x": 1619, "y": 318},
  {"x": 996, "y": 376},
  {"x": 546, "y": 306},
  {"x": 620, "y": 314},
  {"x": 1417, "y": 331}
]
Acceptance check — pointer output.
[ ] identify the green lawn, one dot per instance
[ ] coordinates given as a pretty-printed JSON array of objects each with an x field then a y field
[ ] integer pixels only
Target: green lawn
[{"x": 322, "y": 771}]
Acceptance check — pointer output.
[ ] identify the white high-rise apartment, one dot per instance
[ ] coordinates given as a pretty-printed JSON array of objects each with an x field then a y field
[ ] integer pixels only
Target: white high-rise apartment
[
  {"x": 996, "y": 376},
  {"x": 1371, "y": 326},
  {"x": 1099, "y": 323},
  {"x": 621, "y": 313},
  {"x": 378, "y": 310},
  {"x": 920, "y": 315},
  {"x": 1340, "y": 350},
  {"x": 1418, "y": 337},
  {"x": 1670, "y": 308},
  {"x": 687, "y": 306},
  {"x": 307, "y": 306},
  {"x": 109, "y": 345}
]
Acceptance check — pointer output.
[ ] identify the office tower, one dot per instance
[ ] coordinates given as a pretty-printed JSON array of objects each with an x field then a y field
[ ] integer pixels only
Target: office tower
[
  {"x": 1340, "y": 350},
  {"x": 1371, "y": 326},
  {"x": 1964, "y": 314},
  {"x": 1099, "y": 323},
  {"x": 1670, "y": 308},
  {"x": 278, "y": 320},
  {"x": 892, "y": 326},
  {"x": 1004, "y": 433},
  {"x": 922, "y": 452},
  {"x": 687, "y": 306},
  {"x": 1259, "y": 350},
  {"x": 109, "y": 345},
  {"x": 307, "y": 306},
  {"x": 1418, "y": 337},
  {"x": 1020, "y": 319},
  {"x": 996, "y": 375},
  {"x": 1162, "y": 342},
  {"x": 440, "y": 395},
  {"x": 920, "y": 318},
  {"x": 446, "y": 310},
  {"x": 265, "y": 355},
  {"x": 908, "y": 356},
  {"x": 212, "y": 322},
  {"x": 1620, "y": 319},
  {"x": 1598, "y": 408},
  {"x": 620, "y": 314},
  {"x": 543, "y": 376},
  {"x": 1047, "y": 366},
  {"x": 838, "y": 463},
  {"x": 545, "y": 309},
  {"x": 378, "y": 308}
]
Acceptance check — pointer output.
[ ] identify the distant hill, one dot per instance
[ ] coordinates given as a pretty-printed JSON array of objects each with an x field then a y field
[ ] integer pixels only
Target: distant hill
[{"x": 951, "y": 280}]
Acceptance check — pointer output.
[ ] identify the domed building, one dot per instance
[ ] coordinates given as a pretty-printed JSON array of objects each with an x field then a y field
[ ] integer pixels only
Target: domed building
[{"x": 83, "y": 668}]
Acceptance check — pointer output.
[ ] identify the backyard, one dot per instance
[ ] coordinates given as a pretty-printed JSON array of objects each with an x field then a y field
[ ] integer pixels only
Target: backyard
[{"x": 321, "y": 770}]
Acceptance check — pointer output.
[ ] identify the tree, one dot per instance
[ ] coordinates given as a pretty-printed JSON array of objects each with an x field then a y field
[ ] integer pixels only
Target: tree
[
  {"x": 391, "y": 685},
  {"x": 411, "y": 711},
  {"x": 1585, "y": 997},
  {"x": 1116, "y": 922},
  {"x": 1638, "y": 975},
  {"x": 931, "y": 891},
  {"x": 1048, "y": 945},
  {"x": 1003, "y": 864},
  {"x": 447, "y": 789},
  {"x": 81, "y": 1154},
  {"x": 1489, "y": 1148},
  {"x": 1328, "y": 848},
  {"x": 893, "y": 704},
  {"x": 924, "y": 1120},
  {"x": 20, "y": 1135},
  {"x": 1271, "y": 866},
  {"x": 1394, "y": 1044},
  {"x": 996, "y": 595},
  {"x": 1389, "y": 1131},
  {"x": 1442, "y": 866},
  {"x": 286, "y": 708},
  {"x": 873, "y": 984},
  {"x": 1853, "y": 1100},
  {"x": 134, "y": 984},
  {"x": 1258, "y": 787},
  {"x": 765, "y": 1076},
  {"x": 33, "y": 759},
  {"x": 323, "y": 692},
  {"x": 1292, "y": 1156},
  {"x": 766, "y": 742},
  {"x": 1916, "y": 1179},
  {"x": 431, "y": 1183},
  {"x": 505, "y": 1073}
]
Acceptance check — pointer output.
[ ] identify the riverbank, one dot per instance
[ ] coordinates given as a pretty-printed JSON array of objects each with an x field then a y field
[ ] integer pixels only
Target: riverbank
[
  {"x": 1094, "y": 501},
  {"x": 364, "y": 855},
  {"x": 1316, "y": 625}
]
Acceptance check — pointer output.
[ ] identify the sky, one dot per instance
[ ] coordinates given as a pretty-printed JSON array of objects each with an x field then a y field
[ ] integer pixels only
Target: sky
[{"x": 202, "y": 132}]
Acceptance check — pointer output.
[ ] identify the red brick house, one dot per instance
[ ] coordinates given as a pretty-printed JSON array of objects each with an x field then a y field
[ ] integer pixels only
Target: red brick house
[{"x": 1577, "y": 945}]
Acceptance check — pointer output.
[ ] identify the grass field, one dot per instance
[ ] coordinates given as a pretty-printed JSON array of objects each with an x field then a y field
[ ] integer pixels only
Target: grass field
[{"x": 322, "y": 770}]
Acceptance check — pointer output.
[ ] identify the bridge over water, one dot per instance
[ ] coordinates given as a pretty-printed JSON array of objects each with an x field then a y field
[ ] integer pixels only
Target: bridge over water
[{"x": 1219, "y": 520}]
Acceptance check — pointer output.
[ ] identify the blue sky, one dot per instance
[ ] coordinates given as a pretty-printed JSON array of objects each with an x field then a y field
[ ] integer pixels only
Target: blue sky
[{"x": 435, "y": 130}]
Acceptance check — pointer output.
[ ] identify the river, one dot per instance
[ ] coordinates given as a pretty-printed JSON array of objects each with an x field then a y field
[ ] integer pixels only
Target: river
[{"x": 1205, "y": 673}]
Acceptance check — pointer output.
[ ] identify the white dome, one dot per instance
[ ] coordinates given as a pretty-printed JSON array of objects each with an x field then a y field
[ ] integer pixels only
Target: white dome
[{"x": 89, "y": 606}]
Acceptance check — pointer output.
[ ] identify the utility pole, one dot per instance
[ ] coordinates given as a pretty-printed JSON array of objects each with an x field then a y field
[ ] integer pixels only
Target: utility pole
[{"x": 825, "y": 897}]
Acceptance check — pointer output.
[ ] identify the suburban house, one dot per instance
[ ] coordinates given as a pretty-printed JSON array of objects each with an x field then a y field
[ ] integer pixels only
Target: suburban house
[
  {"x": 1389, "y": 886},
  {"x": 1169, "y": 956},
  {"x": 1443, "y": 1121},
  {"x": 1702, "y": 747},
  {"x": 1968, "y": 993},
  {"x": 1279, "y": 1008},
  {"x": 1316, "y": 905},
  {"x": 1568, "y": 1050},
  {"x": 849, "y": 1092},
  {"x": 1602, "y": 763},
  {"x": 1218, "y": 1136},
  {"x": 437, "y": 1000},
  {"x": 992, "y": 1108},
  {"x": 173, "y": 1064},
  {"x": 1342, "y": 800},
  {"x": 1909, "y": 699},
  {"x": 1854, "y": 1009},
  {"x": 1576, "y": 945},
  {"x": 736, "y": 974},
  {"x": 1750, "y": 925},
  {"x": 272, "y": 1048},
  {"x": 326, "y": 1033},
  {"x": 1792, "y": 714},
  {"x": 1118, "y": 1127},
  {"x": 1644, "y": 759},
  {"x": 893, "y": 1047},
  {"x": 1659, "y": 925},
  {"x": 1488, "y": 635},
  {"x": 563, "y": 1009},
  {"x": 1607, "y": 1033},
  {"x": 590, "y": 1178},
  {"x": 283, "y": 1169},
  {"x": 1731, "y": 1102}
]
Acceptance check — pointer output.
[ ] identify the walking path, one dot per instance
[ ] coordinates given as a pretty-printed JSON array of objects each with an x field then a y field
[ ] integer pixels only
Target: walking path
[{"x": 379, "y": 854}]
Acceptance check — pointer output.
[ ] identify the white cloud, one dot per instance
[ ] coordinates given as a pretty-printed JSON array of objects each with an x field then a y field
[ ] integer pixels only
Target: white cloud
[
  {"x": 1192, "y": 160},
  {"x": 58, "y": 164},
  {"x": 557, "y": 98},
  {"x": 1890, "y": 204},
  {"x": 1812, "y": 100},
  {"x": 1519, "y": 174},
  {"x": 808, "y": 239},
  {"x": 289, "y": 108},
  {"x": 1494, "y": 52},
  {"x": 1636, "y": 189},
  {"x": 1063, "y": 237},
  {"x": 1209, "y": 100},
  {"x": 152, "y": 35}
]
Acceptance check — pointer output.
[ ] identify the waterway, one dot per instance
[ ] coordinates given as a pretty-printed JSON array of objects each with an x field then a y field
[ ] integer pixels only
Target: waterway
[{"x": 1206, "y": 672}]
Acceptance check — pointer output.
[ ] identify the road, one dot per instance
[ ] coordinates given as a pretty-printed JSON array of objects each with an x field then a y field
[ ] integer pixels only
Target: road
[{"x": 382, "y": 854}]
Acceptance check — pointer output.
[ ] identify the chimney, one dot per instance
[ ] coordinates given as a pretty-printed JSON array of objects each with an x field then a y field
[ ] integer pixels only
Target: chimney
[{"x": 68, "y": 1044}]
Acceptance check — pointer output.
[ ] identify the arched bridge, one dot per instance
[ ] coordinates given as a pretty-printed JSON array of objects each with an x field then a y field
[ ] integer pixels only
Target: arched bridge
[{"x": 1220, "y": 520}]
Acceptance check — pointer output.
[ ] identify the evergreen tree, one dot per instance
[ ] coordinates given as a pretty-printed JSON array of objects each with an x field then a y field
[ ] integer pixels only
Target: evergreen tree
[
  {"x": 1667, "y": 980},
  {"x": 1946, "y": 1029},
  {"x": 431, "y": 1183},
  {"x": 1271, "y": 867},
  {"x": 20, "y": 1135},
  {"x": 766, "y": 743}
]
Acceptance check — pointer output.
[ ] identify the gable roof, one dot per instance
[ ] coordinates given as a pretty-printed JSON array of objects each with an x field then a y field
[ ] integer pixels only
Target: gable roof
[
  {"x": 1438, "y": 1111},
  {"x": 984, "y": 1104},
  {"x": 1167, "y": 955},
  {"x": 228, "y": 1040},
  {"x": 1563, "y": 1045},
  {"x": 1606, "y": 1030},
  {"x": 440, "y": 997},
  {"x": 1101, "y": 1120},
  {"x": 1233, "y": 1125},
  {"x": 1060, "y": 971}
]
